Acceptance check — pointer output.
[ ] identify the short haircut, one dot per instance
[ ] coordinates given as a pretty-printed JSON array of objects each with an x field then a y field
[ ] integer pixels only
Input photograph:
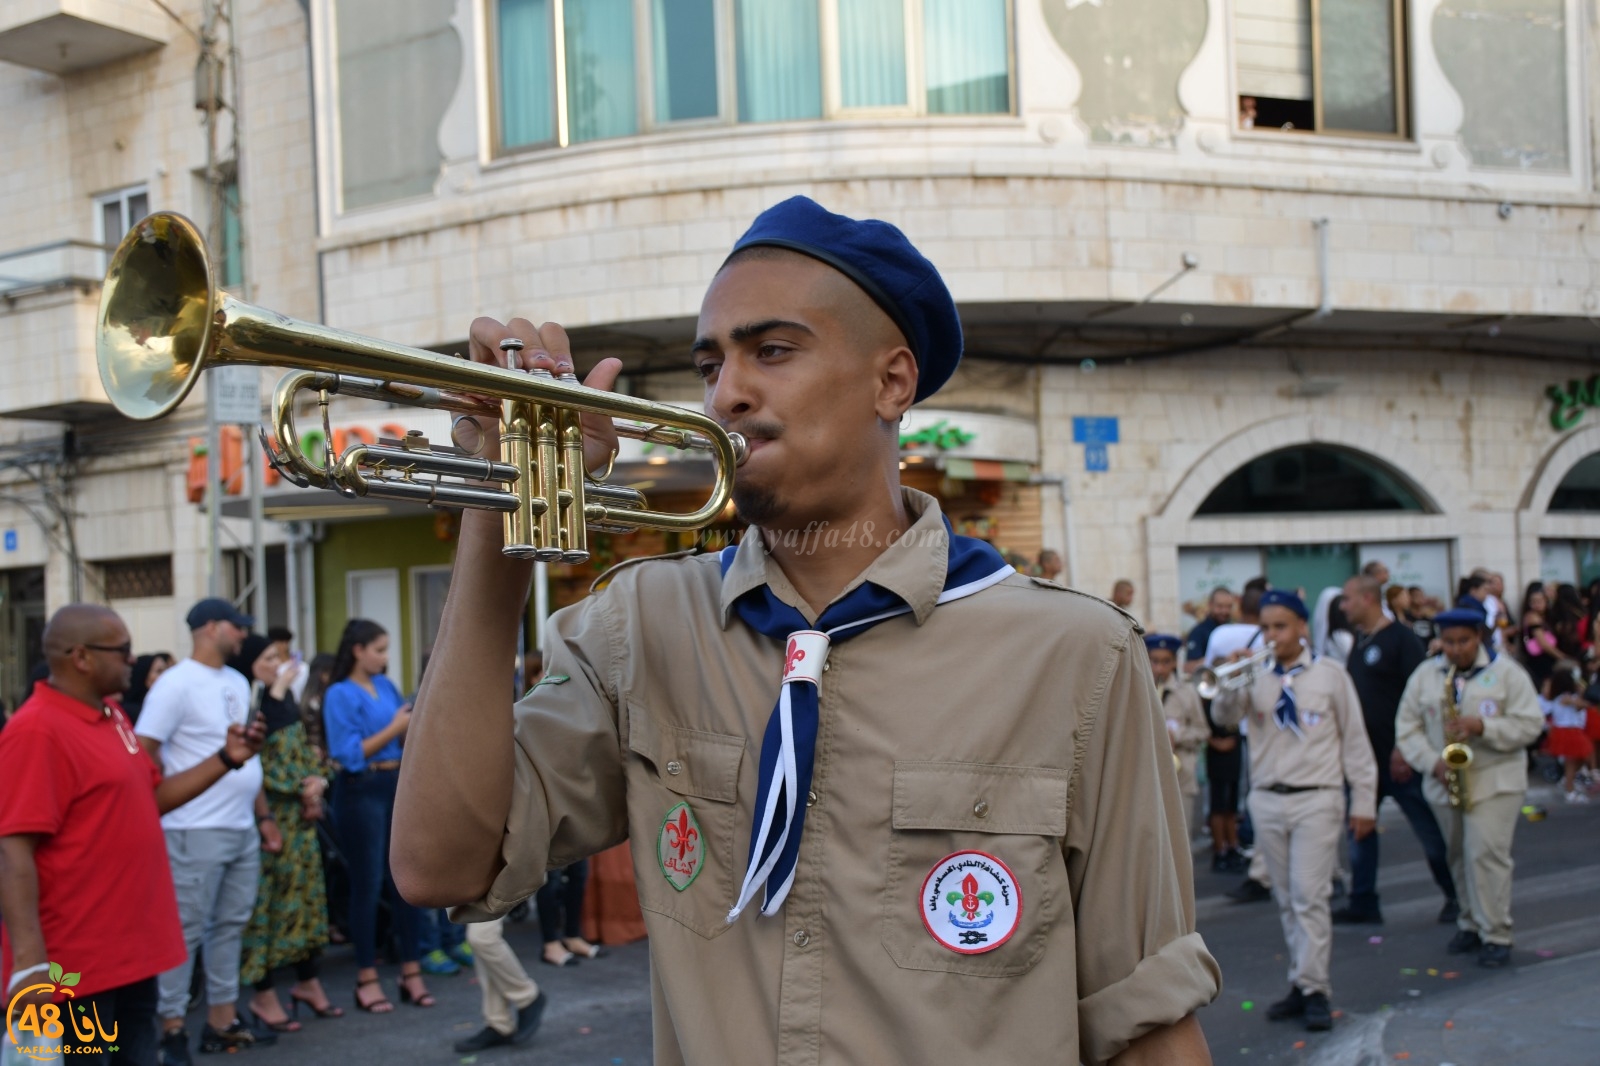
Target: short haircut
[
  {"x": 277, "y": 634},
  {"x": 1250, "y": 602},
  {"x": 1372, "y": 568},
  {"x": 1368, "y": 586},
  {"x": 1257, "y": 584},
  {"x": 1220, "y": 590}
]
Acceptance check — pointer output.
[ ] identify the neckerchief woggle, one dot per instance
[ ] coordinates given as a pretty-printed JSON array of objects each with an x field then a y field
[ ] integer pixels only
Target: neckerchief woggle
[{"x": 788, "y": 747}]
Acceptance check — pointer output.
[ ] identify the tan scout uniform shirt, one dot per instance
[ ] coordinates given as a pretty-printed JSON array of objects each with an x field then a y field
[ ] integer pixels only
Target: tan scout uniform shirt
[
  {"x": 1020, "y": 722},
  {"x": 1502, "y": 695},
  {"x": 1187, "y": 725},
  {"x": 1334, "y": 748}
]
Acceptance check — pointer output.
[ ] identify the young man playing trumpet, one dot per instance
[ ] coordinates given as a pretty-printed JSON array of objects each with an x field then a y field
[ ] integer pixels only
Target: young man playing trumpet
[
  {"x": 1479, "y": 710},
  {"x": 1307, "y": 741},
  {"x": 952, "y": 825}
]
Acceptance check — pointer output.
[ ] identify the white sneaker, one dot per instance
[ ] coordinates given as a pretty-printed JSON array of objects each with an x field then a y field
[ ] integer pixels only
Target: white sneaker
[{"x": 1577, "y": 797}]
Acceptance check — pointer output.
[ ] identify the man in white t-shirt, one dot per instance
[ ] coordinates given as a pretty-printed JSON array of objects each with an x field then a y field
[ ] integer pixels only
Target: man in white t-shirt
[{"x": 214, "y": 841}]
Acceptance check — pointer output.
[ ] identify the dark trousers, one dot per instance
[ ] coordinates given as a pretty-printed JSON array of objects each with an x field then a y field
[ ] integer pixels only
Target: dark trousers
[
  {"x": 127, "y": 1018},
  {"x": 560, "y": 902},
  {"x": 363, "y": 812},
  {"x": 1364, "y": 853}
]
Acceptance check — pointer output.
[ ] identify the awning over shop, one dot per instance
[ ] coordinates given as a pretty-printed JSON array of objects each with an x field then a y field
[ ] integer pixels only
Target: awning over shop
[{"x": 984, "y": 469}]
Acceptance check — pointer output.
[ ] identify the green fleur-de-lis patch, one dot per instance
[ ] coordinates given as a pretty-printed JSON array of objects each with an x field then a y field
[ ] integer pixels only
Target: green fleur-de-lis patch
[
  {"x": 680, "y": 847},
  {"x": 547, "y": 679}
]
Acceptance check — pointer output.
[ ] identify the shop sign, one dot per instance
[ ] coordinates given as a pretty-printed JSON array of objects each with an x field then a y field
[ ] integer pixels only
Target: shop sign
[
  {"x": 948, "y": 434},
  {"x": 1568, "y": 402}
]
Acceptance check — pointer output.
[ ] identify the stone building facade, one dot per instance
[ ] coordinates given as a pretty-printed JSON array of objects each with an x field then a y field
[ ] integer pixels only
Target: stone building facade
[{"x": 1202, "y": 265}]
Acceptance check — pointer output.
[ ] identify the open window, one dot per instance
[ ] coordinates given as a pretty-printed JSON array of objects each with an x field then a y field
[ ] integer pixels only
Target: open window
[{"x": 1321, "y": 66}]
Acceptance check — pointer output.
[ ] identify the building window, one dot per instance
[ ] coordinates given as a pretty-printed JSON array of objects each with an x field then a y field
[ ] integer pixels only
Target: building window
[
  {"x": 1580, "y": 489},
  {"x": 232, "y": 241},
  {"x": 133, "y": 579},
  {"x": 583, "y": 70},
  {"x": 1309, "y": 480},
  {"x": 1321, "y": 66},
  {"x": 115, "y": 213}
]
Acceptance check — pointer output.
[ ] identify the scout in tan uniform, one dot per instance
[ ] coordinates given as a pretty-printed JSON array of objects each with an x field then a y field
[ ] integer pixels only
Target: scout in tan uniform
[
  {"x": 1307, "y": 741},
  {"x": 1468, "y": 695},
  {"x": 1187, "y": 728},
  {"x": 936, "y": 846}
]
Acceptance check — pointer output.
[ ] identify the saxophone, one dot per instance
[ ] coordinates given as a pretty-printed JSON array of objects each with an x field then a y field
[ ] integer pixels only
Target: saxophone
[{"x": 1457, "y": 755}]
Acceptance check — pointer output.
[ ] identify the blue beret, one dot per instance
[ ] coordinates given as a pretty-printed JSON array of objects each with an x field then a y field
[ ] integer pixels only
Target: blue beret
[
  {"x": 1162, "y": 642},
  {"x": 1281, "y": 598},
  {"x": 1471, "y": 617},
  {"x": 887, "y": 267}
]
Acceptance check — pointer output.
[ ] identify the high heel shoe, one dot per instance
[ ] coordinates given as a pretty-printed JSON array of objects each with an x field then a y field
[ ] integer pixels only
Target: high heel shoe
[
  {"x": 330, "y": 1011},
  {"x": 424, "y": 1000},
  {"x": 381, "y": 1005}
]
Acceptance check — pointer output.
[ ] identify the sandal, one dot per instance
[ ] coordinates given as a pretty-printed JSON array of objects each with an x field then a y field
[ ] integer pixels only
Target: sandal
[
  {"x": 423, "y": 999},
  {"x": 328, "y": 1010},
  {"x": 287, "y": 1025},
  {"x": 381, "y": 1005},
  {"x": 588, "y": 951},
  {"x": 567, "y": 958}
]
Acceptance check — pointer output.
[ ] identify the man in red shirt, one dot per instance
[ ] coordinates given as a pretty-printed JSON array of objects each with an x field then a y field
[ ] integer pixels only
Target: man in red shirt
[{"x": 84, "y": 878}]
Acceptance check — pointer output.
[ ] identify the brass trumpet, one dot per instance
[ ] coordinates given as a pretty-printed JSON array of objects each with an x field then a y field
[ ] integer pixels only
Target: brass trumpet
[
  {"x": 1210, "y": 683},
  {"x": 163, "y": 320}
]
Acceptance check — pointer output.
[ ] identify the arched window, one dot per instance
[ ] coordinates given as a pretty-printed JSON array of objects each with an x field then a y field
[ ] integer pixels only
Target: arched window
[
  {"x": 1310, "y": 479},
  {"x": 1580, "y": 489}
]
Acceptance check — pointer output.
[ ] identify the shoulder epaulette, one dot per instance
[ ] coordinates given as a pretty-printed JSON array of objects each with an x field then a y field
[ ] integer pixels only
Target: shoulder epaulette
[
  {"x": 605, "y": 579},
  {"x": 1046, "y": 583}
]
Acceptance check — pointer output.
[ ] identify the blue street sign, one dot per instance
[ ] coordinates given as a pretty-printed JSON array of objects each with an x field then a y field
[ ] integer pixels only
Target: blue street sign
[
  {"x": 11, "y": 540},
  {"x": 1096, "y": 459},
  {"x": 1091, "y": 430}
]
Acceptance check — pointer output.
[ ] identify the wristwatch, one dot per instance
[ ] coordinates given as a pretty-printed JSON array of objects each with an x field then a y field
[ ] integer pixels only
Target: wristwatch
[{"x": 222, "y": 756}]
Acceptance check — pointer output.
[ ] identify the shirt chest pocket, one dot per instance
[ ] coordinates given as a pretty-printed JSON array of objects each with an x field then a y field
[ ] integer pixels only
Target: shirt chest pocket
[
  {"x": 975, "y": 872},
  {"x": 683, "y": 806}
]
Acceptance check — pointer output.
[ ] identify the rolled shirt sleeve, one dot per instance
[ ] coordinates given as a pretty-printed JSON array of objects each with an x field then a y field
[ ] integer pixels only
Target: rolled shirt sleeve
[
  {"x": 568, "y": 799},
  {"x": 1230, "y": 706},
  {"x": 1141, "y": 964}
]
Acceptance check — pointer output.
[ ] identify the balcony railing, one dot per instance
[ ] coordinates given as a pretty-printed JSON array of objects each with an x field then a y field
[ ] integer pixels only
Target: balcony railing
[{"x": 57, "y": 265}]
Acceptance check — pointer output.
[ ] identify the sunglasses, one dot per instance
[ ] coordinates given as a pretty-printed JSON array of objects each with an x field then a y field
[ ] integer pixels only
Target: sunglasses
[{"x": 124, "y": 650}]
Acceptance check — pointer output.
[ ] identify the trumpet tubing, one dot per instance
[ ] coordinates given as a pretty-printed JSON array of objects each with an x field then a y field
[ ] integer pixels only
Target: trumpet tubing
[{"x": 163, "y": 321}]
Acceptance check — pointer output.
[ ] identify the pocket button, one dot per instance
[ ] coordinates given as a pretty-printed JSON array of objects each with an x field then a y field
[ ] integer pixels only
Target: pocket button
[
  {"x": 981, "y": 808},
  {"x": 674, "y": 767}
]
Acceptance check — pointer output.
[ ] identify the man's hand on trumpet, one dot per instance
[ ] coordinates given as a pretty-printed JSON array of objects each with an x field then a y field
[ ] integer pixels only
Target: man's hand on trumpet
[{"x": 545, "y": 347}]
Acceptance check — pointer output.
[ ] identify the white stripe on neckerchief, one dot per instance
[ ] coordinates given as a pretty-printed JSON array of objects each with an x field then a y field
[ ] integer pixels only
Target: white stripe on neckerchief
[{"x": 788, "y": 748}]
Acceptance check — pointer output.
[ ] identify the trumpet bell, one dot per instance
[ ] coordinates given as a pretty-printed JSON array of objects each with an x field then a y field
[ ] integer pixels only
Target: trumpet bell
[
  {"x": 156, "y": 310},
  {"x": 1206, "y": 684}
]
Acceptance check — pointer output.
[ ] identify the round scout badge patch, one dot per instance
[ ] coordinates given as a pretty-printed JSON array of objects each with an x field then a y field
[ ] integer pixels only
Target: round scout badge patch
[
  {"x": 680, "y": 847},
  {"x": 1488, "y": 709},
  {"x": 970, "y": 902}
]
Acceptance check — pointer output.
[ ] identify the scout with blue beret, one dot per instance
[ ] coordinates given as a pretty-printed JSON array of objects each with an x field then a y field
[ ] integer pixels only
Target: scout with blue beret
[
  {"x": 1469, "y": 696},
  {"x": 1308, "y": 740},
  {"x": 1187, "y": 727},
  {"x": 827, "y": 744}
]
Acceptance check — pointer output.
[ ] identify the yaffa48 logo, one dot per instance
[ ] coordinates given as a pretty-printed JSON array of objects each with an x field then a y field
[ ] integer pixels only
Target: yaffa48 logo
[{"x": 37, "y": 1030}]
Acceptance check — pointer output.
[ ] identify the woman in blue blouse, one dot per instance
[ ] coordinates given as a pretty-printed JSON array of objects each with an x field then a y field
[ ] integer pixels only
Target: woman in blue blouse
[{"x": 365, "y": 719}]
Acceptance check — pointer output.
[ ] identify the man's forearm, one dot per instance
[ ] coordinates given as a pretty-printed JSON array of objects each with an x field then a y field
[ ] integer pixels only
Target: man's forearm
[
  {"x": 1180, "y": 1044},
  {"x": 456, "y": 777},
  {"x": 19, "y": 902},
  {"x": 179, "y": 788}
]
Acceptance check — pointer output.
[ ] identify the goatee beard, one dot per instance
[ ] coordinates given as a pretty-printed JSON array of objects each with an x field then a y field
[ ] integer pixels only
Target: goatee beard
[{"x": 756, "y": 507}]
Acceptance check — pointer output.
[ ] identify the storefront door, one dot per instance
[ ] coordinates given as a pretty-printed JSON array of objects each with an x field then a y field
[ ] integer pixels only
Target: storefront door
[
  {"x": 1311, "y": 567},
  {"x": 22, "y": 619}
]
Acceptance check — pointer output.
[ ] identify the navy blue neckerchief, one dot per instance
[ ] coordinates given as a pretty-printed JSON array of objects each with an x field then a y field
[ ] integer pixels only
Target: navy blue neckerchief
[{"x": 788, "y": 748}]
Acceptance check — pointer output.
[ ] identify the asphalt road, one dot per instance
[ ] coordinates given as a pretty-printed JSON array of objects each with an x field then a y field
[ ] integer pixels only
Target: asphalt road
[{"x": 1539, "y": 1010}]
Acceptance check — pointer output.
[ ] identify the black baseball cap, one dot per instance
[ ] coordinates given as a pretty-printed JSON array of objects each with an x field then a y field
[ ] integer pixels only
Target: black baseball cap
[{"x": 217, "y": 609}]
